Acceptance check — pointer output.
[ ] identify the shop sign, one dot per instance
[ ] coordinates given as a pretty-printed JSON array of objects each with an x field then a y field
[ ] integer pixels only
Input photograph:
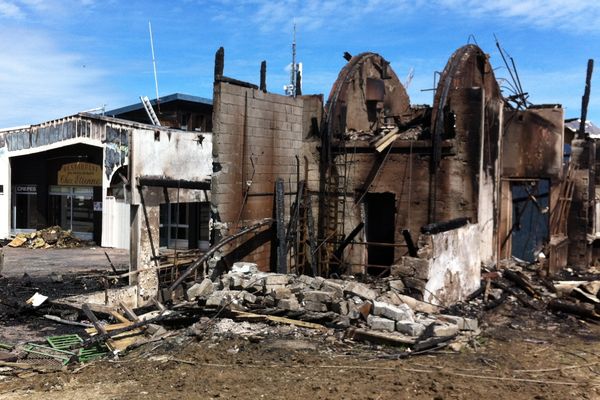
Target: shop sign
[
  {"x": 80, "y": 174},
  {"x": 26, "y": 189}
]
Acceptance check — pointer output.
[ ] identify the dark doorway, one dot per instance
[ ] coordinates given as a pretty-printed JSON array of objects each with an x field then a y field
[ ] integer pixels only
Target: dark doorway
[
  {"x": 530, "y": 217},
  {"x": 380, "y": 227}
]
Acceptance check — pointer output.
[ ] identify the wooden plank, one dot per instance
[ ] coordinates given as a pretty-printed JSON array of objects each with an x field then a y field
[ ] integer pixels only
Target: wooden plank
[
  {"x": 108, "y": 328},
  {"x": 281, "y": 320},
  {"x": 128, "y": 311},
  {"x": 119, "y": 317},
  {"x": 90, "y": 314}
]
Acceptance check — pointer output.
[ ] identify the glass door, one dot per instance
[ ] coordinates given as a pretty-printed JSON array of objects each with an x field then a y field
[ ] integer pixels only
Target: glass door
[{"x": 73, "y": 208}]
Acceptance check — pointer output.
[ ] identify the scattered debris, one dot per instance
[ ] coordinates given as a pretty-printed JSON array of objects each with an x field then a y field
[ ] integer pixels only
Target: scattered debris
[{"x": 51, "y": 237}]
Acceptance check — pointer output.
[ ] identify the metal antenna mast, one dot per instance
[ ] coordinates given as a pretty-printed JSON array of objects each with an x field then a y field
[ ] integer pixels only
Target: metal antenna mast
[
  {"x": 293, "y": 80},
  {"x": 154, "y": 64}
]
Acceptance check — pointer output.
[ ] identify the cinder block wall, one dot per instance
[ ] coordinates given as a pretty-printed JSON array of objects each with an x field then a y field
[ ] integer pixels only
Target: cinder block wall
[{"x": 256, "y": 138}]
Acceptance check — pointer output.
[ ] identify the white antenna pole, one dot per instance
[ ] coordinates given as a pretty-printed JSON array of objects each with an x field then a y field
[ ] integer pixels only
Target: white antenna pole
[
  {"x": 153, "y": 62},
  {"x": 293, "y": 82}
]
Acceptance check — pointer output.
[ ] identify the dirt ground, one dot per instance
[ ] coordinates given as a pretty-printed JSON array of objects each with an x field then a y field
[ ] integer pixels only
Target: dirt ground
[{"x": 521, "y": 354}]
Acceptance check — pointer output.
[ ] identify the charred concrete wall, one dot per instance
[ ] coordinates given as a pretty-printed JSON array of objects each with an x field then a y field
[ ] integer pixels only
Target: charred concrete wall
[
  {"x": 162, "y": 155},
  {"x": 257, "y": 138},
  {"x": 580, "y": 226}
]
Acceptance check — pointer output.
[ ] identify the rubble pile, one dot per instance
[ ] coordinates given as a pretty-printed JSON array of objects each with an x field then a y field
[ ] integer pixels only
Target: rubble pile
[
  {"x": 342, "y": 304},
  {"x": 52, "y": 237}
]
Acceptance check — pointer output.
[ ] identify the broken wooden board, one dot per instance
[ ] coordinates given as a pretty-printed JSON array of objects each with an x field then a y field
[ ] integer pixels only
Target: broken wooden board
[
  {"x": 123, "y": 340},
  {"x": 372, "y": 336},
  {"x": 282, "y": 320},
  {"x": 17, "y": 241}
]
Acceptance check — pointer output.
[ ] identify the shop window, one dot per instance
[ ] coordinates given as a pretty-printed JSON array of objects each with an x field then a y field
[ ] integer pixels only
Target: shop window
[{"x": 184, "y": 225}]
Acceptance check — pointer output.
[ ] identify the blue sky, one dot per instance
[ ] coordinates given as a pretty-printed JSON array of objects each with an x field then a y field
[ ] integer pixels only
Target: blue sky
[{"x": 58, "y": 57}]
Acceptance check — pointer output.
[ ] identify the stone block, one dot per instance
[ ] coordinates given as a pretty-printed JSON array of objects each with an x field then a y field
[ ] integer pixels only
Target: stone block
[
  {"x": 438, "y": 329},
  {"x": 396, "y": 285},
  {"x": 272, "y": 288},
  {"x": 248, "y": 297},
  {"x": 396, "y": 313},
  {"x": 410, "y": 328},
  {"x": 414, "y": 283},
  {"x": 244, "y": 268},
  {"x": 317, "y": 296},
  {"x": 360, "y": 290},
  {"x": 202, "y": 289},
  {"x": 276, "y": 279},
  {"x": 315, "y": 306},
  {"x": 235, "y": 281},
  {"x": 221, "y": 298},
  {"x": 463, "y": 323},
  {"x": 340, "y": 307},
  {"x": 281, "y": 293},
  {"x": 353, "y": 312},
  {"x": 380, "y": 323},
  {"x": 333, "y": 287},
  {"x": 290, "y": 304}
]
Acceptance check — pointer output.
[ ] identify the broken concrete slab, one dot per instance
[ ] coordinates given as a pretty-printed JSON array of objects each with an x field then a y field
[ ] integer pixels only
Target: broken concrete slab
[
  {"x": 360, "y": 290},
  {"x": 410, "y": 328},
  {"x": 334, "y": 287},
  {"x": 276, "y": 279},
  {"x": 396, "y": 285},
  {"x": 397, "y": 313},
  {"x": 381, "y": 323},
  {"x": 202, "y": 289},
  {"x": 244, "y": 268},
  {"x": 315, "y": 306},
  {"x": 317, "y": 296},
  {"x": 281, "y": 293},
  {"x": 289, "y": 304},
  {"x": 438, "y": 329}
]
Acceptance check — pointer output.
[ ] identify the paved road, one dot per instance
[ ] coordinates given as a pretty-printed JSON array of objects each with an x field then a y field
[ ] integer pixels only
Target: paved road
[{"x": 42, "y": 262}]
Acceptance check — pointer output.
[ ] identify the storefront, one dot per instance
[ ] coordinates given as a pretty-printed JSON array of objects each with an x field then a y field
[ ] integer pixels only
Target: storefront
[{"x": 50, "y": 188}]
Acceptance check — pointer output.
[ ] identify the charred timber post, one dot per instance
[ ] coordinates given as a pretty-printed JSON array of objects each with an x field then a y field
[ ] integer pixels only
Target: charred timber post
[
  {"x": 412, "y": 248},
  {"x": 263, "y": 76},
  {"x": 219, "y": 63},
  {"x": 280, "y": 227},
  {"x": 586, "y": 99},
  {"x": 439, "y": 227}
]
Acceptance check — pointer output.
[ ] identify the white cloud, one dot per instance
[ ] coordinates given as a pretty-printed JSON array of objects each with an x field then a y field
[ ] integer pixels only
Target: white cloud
[
  {"x": 273, "y": 16},
  {"x": 574, "y": 15},
  {"x": 10, "y": 10},
  {"x": 41, "y": 81}
]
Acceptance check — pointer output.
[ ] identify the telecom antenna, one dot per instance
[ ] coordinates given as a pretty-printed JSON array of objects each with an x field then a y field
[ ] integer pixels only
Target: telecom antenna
[
  {"x": 154, "y": 64},
  {"x": 290, "y": 89}
]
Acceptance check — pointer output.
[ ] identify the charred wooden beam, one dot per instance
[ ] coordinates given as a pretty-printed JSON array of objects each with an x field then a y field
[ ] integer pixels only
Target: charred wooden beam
[
  {"x": 172, "y": 183},
  {"x": 438, "y": 227},
  {"x": 263, "y": 76},
  {"x": 412, "y": 248},
  {"x": 586, "y": 98},
  {"x": 280, "y": 227},
  {"x": 219, "y": 63}
]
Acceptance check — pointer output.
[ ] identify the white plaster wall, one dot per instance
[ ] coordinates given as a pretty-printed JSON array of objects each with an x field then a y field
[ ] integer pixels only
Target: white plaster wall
[
  {"x": 115, "y": 223},
  {"x": 5, "y": 198},
  {"x": 176, "y": 155},
  {"x": 455, "y": 268}
]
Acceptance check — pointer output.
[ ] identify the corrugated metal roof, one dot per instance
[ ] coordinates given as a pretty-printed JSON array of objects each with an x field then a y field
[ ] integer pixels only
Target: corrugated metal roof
[
  {"x": 590, "y": 128},
  {"x": 163, "y": 99}
]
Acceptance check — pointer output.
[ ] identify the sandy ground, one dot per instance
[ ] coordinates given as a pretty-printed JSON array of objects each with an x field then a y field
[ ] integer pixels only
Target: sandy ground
[
  {"x": 521, "y": 354},
  {"x": 41, "y": 262}
]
